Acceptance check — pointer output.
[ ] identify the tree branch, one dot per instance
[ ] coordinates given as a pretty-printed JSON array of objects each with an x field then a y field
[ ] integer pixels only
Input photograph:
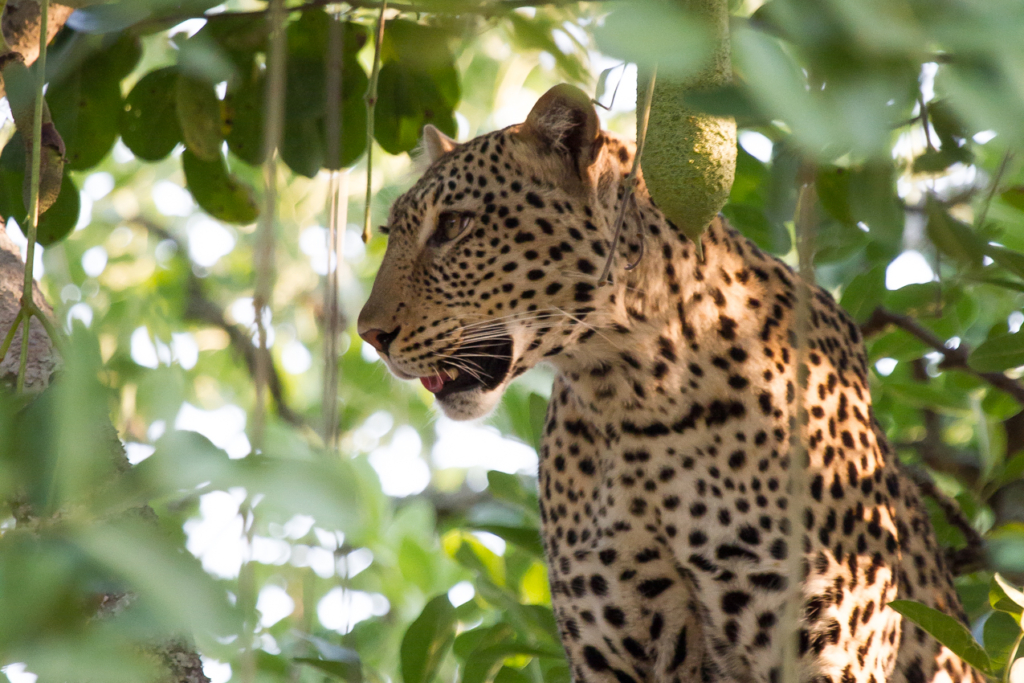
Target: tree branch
[
  {"x": 964, "y": 560},
  {"x": 476, "y": 7},
  {"x": 198, "y": 307},
  {"x": 954, "y": 359}
]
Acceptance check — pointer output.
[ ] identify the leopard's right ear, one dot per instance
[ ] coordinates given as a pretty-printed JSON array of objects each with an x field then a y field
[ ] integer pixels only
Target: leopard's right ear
[
  {"x": 436, "y": 144},
  {"x": 564, "y": 119}
]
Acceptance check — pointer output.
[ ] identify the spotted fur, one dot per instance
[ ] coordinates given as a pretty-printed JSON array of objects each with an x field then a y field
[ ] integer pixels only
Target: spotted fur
[{"x": 665, "y": 462}]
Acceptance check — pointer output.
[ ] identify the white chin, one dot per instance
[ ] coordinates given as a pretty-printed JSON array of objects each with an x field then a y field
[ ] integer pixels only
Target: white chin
[{"x": 472, "y": 404}]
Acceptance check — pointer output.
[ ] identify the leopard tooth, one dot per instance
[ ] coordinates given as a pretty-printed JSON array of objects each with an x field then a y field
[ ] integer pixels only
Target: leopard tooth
[{"x": 453, "y": 373}]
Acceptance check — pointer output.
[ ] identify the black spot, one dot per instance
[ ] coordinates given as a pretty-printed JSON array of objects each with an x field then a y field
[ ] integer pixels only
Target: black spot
[
  {"x": 652, "y": 588},
  {"x": 737, "y": 459},
  {"x": 733, "y": 602},
  {"x": 634, "y": 648},
  {"x": 595, "y": 660},
  {"x": 816, "y": 487},
  {"x": 614, "y": 616},
  {"x": 769, "y": 581},
  {"x": 728, "y": 552},
  {"x": 679, "y": 656}
]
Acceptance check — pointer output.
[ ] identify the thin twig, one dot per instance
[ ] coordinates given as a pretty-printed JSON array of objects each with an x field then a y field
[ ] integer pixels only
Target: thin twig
[
  {"x": 980, "y": 222},
  {"x": 804, "y": 226},
  {"x": 15, "y": 324},
  {"x": 630, "y": 184},
  {"x": 954, "y": 359},
  {"x": 371, "y": 104},
  {"x": 27, "y": 302}
]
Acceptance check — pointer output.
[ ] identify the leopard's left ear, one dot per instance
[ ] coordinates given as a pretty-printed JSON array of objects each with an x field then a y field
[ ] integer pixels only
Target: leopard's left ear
[
  {"x": 436, "y": 144},
  {"x": 564, "y": 119}
]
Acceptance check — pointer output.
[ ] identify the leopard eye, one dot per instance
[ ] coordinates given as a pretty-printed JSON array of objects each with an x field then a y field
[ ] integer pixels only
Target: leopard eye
[{"x": 450, "y": 225}]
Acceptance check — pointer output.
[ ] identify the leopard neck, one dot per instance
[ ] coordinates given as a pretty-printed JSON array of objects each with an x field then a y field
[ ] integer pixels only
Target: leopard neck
[{"x": 661, "y": 302}]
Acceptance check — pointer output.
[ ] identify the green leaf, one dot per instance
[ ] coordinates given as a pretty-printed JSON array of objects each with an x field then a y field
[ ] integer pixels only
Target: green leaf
[
  {"x": 484, "y": 663},
  {"x": 204, "y": 59},
  {"x": 482, "y": 637},
  {"x": 1014, "y": 196},
  {"x": 86, "y": 108},
  {"x": 947, "y": 630},
  {"x": 999, "y": 353},
  {"x": 527, "y": 538},
  {"x": 60, "y": 219},
  {"x": 427, "y": 641},
  {"x": 199, "y": 115},
  {"x": 833, "y": 185},
  {"x": 110, "y": 17},
  {"x": 219, "y": 193},
  {"x": 954, "y": 238},
  {"x": 55, "y": 223},
  {"x": 753, "y": 223},
  {"x": 416, "y": 86},
  {"x": 160, "y": 573},
  {"x": 347, "y": 670},
  {"x": 1000, "y": 633},
  {"x": 473, "y": 554},
  {"x": 509, "y": 675},
  {"x": 864, "y": 294},
  {"x": 1004, "y": 597},
  {"x": 409, "y": 99},
  {"x": 648, "y": 32},
  {"x": 305, "y": 144},
  {"x": 537, "y": 34},
  {"x": 243, "y": 118},
  {"x": 149, "y": 123},
  {"x": 1007, "y": 258},
  {"x": 510, "y": 488}
]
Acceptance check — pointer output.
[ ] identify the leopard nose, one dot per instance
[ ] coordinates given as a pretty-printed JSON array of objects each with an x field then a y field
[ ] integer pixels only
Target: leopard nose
[{"x": 379, "y": 339}]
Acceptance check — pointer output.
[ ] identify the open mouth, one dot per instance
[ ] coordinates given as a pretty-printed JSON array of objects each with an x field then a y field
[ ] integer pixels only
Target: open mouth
[{"x": 478, "y": 366}]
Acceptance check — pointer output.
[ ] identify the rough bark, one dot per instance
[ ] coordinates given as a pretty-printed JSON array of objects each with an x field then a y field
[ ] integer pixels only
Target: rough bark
[
  {"x": 42, "y": 358},
  {"x": 21, "y": 26}
]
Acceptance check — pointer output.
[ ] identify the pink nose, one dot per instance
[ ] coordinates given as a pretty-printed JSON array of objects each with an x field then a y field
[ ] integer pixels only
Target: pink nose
[{"x": 379, "y": 339}]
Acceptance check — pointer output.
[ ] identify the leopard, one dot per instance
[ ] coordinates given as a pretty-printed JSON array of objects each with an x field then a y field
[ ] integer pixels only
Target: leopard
[{"x": 674, "y": 501}]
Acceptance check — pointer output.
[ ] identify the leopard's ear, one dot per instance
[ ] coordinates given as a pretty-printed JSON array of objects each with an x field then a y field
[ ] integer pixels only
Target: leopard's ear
[
  {"x": 436, "y": 144},
  {"x": 564, "y": 119}
]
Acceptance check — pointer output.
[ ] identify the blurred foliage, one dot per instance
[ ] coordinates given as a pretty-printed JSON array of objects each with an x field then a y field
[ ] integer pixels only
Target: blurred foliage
[{"x": 906, "y": 114}]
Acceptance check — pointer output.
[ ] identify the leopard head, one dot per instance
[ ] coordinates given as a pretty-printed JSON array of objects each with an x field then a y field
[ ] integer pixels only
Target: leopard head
[{"x": 493, "y": 256}]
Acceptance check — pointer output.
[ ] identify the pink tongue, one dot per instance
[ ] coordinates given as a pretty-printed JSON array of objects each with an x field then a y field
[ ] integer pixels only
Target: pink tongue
[{"x": 434, "y": 383}]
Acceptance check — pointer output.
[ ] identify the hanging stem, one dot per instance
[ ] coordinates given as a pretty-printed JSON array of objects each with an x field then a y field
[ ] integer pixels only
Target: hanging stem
[
  {"x": 371, "y": 104},
  {"x": 27, "y": 303},
  {"x": 630, "y": 184},
  {"x": 336, "y": 220},
  {"x": 798, "y": 453},
  {"x": 264, "y": 252}
]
